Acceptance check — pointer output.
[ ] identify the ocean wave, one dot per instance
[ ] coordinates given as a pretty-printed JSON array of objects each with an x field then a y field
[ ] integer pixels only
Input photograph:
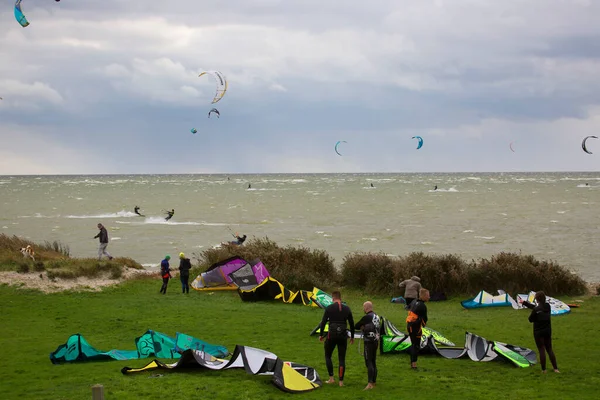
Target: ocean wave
[{"x": 119, "y": 214}]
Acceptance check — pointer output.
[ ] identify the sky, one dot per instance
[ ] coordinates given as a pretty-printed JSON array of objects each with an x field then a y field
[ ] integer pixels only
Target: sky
[{"x": 112, "y": 86}]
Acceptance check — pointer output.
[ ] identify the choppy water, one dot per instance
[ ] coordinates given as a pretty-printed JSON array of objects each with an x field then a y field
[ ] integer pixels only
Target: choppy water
[{"x": 550, "y": 215}]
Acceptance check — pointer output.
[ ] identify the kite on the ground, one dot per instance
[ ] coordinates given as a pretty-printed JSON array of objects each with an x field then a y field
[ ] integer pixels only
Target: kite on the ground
[
  {"x": 214, "y": 110},
  {"x": 583, "y": 143},
  {"x": 420, "y": 139},
  {"x": 286, "y": 375},
  {"x": 336, "y": 146},
  {"x": 221, "y": 84}
]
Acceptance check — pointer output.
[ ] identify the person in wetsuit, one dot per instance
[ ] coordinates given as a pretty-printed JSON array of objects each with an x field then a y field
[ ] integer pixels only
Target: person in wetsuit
[
  {"x": 542, "y": 329},
  {"x": 240, "y": 240},
  {"x": 165, "y": 273},
  {"x": 416, "y": 319},
  {"x": 435, "y": 188},
  {"x": 184, "y": 272},
  {"x": 370, "y": 325},
  {"x": 136, "y": 210},
  {"x": 170, "y": 214},
  {"x": 339, "y": 316}
]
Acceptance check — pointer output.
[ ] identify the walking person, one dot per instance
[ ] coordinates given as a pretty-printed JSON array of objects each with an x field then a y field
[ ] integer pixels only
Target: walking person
[
  {"x": 339, "y": 317},
  {"x": 417, "y": 318},
  {"x": 184, "y": 272},
  {"x": 542, "y": 329},
  {"x": 411, "y": 289},
  {"x": 165, "y": 273},
  {"x": 370, "y": 325},
  {"x": 103, "y": 237}
]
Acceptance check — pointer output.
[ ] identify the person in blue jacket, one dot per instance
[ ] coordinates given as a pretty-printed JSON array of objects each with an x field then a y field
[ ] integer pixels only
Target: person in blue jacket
[{"x": 165, "y": 273}]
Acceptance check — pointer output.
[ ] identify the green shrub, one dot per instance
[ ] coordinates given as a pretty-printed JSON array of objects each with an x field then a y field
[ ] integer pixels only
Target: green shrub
[{"x": 514, "y": 273}]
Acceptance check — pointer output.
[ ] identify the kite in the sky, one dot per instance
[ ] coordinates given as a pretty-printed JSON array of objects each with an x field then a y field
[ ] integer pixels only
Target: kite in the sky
[
  {"x": 336, "y": 146},
  {"x": 511, "y": 146},
  {"x": 214, "y": 110},
  {"x": 193, "y": 130},
  {"x": 583, "y": 143},
  {"x": 420, "y": 139},
  {"x": 221, "y": 84},
  {"x": 19, "y": 16}
]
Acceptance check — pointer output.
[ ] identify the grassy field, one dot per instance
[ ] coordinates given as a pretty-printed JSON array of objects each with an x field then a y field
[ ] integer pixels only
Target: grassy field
[{"x": 34, "y": 324}]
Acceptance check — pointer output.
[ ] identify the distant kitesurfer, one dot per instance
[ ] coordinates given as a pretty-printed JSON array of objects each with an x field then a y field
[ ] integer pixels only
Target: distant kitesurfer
[
  {"x": 415, "y": 321},
  {"x": 239, "y": 241},
  {"x": 136, "y": 210},
  {"x": 170, "y": 214},
  {"x": 370, "y": 324},
  {"x": 542, "y": 329},
  {"x": 249, "y": 186},
  {"x": 338, "y": 315},
  {"x": 435, "y": 188},
  {"x": 372, "y": 185}
]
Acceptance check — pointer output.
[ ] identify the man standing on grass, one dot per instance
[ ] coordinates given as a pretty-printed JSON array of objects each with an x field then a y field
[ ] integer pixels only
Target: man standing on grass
[
  {"x": 369, "y": 324},
  {"x": 338, "y": 315},
  {"x": 103, "y": 236}
]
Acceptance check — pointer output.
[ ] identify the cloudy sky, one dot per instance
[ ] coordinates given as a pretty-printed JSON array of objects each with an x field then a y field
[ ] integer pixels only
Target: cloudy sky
[{"x": 112, "y": 86}]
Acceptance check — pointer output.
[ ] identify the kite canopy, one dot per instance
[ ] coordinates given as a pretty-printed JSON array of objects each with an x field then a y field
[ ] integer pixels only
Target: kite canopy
[
  {"x": 583, "y": 143},
  {"x": 484, "y": 299},
  {"x": 231, "y": 274},
  {"x": 557, "y": 307},
  {"x": 336, "y": 146},
  {"x": 286, "y": 375},
  {"x": 420, "y": 139},
  {"x": 19, "y": 16},
  {"x": 193, "y": 130},
  {"x": 151, "y": 343},
  {"x": 511, "y": 146},
  {"x": 221, "y": 84},
  {"x": 214, "y": 110}
]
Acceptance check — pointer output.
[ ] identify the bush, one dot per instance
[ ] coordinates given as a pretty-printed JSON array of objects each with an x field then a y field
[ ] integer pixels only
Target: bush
[
  {"x": 514, "y": 273},
  {"x": 296, "y": 268}
]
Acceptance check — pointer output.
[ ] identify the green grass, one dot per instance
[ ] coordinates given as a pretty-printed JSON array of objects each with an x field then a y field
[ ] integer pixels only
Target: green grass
[{"x": 34, "y": 324}]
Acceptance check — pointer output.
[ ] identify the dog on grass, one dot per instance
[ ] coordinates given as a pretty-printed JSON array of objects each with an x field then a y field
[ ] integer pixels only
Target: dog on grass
[{"x": 28, "y": 252}]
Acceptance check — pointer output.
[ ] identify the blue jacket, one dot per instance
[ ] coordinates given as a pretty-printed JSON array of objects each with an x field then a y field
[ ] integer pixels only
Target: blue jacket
[{"x": 164, "y": 268}]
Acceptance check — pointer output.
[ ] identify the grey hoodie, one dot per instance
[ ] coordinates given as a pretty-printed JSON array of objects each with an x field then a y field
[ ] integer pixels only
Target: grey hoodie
[{"x": 411, "y": 287}]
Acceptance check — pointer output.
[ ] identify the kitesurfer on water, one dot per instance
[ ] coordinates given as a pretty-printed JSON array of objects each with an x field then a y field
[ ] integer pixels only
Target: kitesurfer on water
[
  {"x": 415, "y": 321},
  {"x": 136, "y": 210},
  {"x": 170, "y": 214},
  {"x": 370, "y": 324},
  {"x": 338, "y": 315},
  {"x": 239, "y": 241},
  {"x": 435, "y": 188},
  {"x": 542, "y": 329}
]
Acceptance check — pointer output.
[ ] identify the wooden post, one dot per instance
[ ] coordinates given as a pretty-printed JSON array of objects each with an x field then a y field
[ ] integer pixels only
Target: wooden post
[{"x": 98, "y": 392}]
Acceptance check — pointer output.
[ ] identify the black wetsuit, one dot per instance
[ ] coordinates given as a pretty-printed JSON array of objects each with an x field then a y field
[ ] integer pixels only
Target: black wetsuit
[
  {"x": 370, "y": 326},
  {"x": 417, "y": 318},
  {"x": 240, "y": 240},
  {"x": 170, "y": 215},
  {"x": 338, "y": 315},
  {"x": 137, "y": 211},
  {"x": 184, "y": 274},
  {"x": 542, "y": 331}
]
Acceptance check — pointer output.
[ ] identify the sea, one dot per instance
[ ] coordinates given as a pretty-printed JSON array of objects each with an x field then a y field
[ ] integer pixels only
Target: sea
[{"x": 553, "y": 216}]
